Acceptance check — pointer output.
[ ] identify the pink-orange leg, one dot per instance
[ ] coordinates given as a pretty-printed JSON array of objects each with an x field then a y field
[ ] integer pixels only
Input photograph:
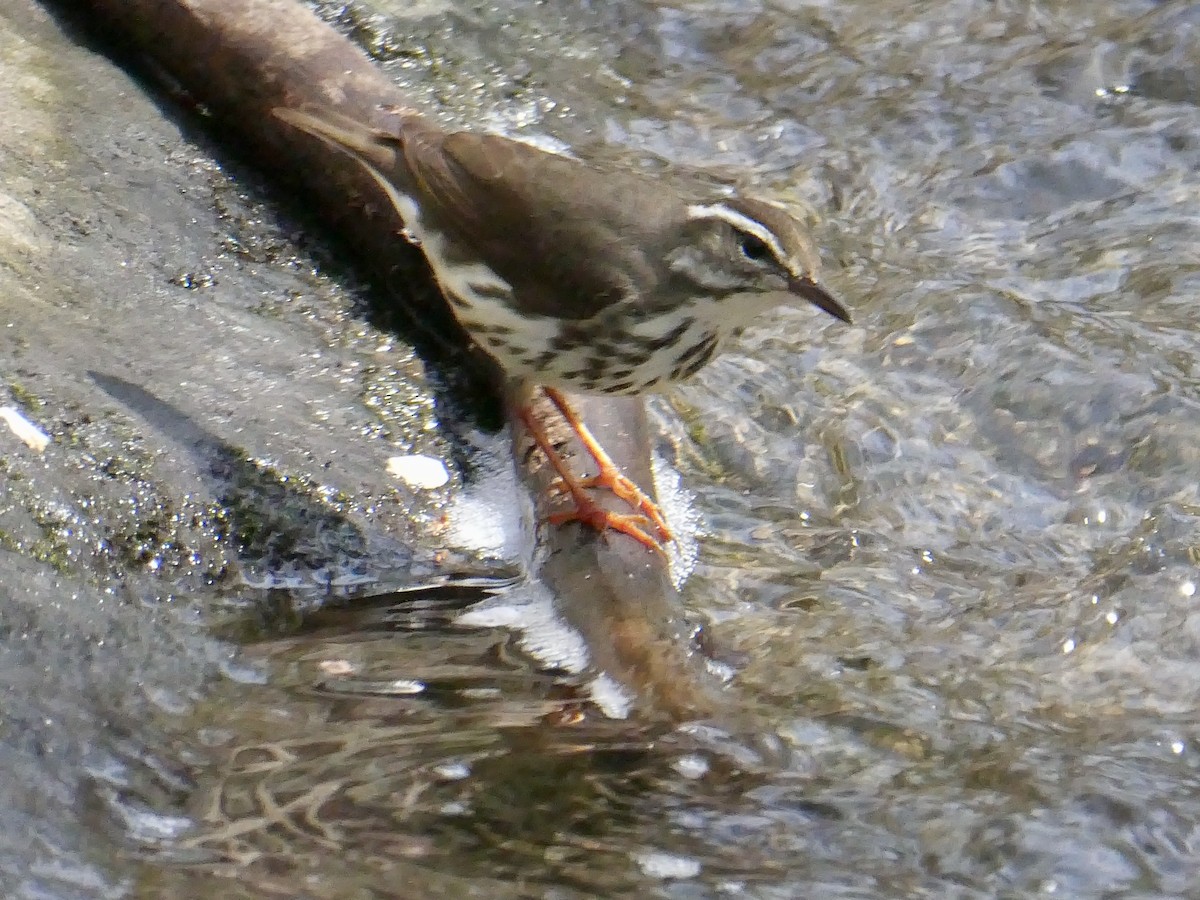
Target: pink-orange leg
[
  {"x": 609, "y": 476},
  {"x": 586, "y": 509}
]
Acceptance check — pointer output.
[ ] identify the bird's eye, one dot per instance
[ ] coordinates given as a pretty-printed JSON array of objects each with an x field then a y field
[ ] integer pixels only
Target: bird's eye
[{"x": 754, "y": 248}]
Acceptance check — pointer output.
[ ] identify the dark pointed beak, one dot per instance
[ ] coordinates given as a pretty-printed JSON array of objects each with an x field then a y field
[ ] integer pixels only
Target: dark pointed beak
[{"x": 816, "y": 295}]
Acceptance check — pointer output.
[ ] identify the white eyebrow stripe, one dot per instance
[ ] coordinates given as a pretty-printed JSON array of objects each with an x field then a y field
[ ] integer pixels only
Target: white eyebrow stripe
[{"x": 739, "y": 221}]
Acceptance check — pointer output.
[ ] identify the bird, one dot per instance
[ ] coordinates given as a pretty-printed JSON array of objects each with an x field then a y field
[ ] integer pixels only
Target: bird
[{"x": 578, "y": 277}]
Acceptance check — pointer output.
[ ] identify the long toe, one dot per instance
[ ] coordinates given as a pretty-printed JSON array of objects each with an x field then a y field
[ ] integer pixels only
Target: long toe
[
  {"x": 625, "y": 489},
  {"x": 600, "y": 519}
]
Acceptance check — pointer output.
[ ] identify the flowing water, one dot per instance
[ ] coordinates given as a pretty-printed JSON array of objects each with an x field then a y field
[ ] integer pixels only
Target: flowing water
[{"x": 952, "y": 551}]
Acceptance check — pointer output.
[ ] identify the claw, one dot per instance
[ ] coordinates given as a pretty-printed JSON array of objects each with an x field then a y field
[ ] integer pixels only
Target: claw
[{"x": 592, "y": 514}]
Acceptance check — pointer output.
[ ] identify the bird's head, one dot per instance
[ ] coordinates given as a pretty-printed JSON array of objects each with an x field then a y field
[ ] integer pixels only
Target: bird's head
[{"x": 750, "y": 253}]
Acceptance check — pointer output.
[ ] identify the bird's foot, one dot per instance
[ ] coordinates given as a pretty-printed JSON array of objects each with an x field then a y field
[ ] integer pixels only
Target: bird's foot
[
  {"x": 588, "y": 512},
  {"x": 624, "y": 488},
  {"x": 638, "y": 525},
  {"x": 609, "y": 474}
]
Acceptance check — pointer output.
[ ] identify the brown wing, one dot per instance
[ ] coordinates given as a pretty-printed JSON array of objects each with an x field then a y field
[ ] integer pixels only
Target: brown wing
[{"x": 571, "y": 240}]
